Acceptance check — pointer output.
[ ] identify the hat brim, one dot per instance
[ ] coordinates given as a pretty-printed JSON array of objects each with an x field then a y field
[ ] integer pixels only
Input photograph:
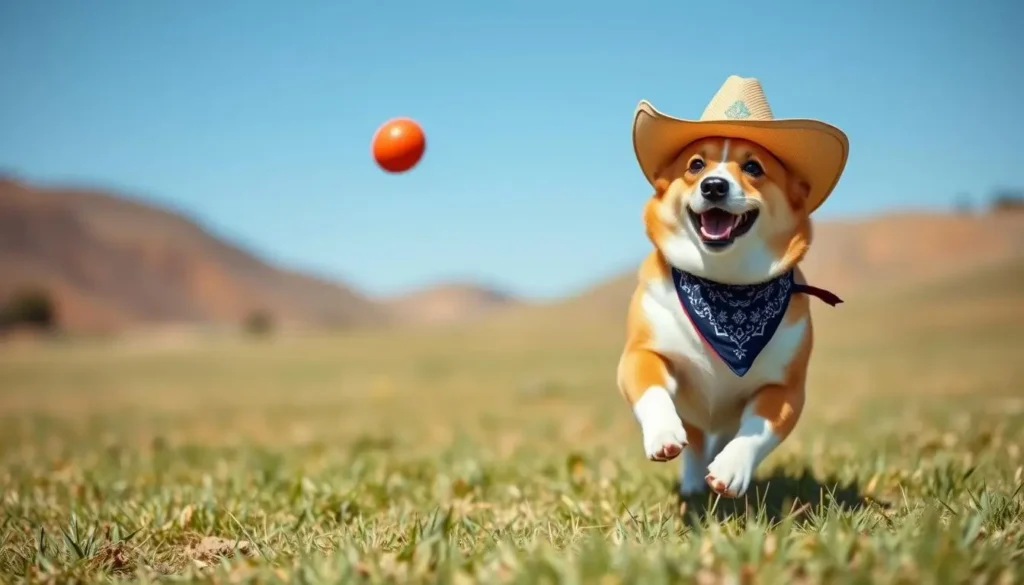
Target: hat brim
[{"x": 813, "y": 149}]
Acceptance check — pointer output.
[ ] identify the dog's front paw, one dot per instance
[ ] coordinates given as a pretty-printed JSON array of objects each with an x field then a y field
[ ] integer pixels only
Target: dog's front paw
[
  {"x": 732, "y": 470},
  {"x": 665, "y": 438}
]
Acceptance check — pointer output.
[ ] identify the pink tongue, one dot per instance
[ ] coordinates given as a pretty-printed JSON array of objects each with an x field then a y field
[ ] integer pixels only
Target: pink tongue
[{"x": 717, "y": 224}]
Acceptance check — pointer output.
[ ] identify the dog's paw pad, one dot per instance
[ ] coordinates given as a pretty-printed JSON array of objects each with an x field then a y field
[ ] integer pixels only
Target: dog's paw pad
[
  {"x": 665, "y": 440},
  {"x": 668, "y": 452},
  {"x": 719, "y": 487},
  {"x": 730, "y": 473}
]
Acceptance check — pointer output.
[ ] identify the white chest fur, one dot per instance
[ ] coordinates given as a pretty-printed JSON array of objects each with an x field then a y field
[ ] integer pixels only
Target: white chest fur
[{"x": 716, "y": 394}]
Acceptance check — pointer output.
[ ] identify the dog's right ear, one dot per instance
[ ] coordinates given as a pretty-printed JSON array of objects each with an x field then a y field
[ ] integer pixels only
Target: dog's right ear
[{"x": 660, "y": 187}]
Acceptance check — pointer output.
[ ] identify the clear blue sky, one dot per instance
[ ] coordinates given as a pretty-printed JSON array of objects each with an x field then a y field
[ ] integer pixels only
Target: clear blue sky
[{"x": 255, "y": 116}]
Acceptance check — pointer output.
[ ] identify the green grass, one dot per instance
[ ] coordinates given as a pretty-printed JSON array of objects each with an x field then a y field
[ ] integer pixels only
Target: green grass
[{"x": 430, "y": 457}]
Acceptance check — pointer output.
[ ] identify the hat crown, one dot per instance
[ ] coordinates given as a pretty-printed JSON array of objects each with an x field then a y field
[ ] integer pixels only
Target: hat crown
[{"x": 739, "y": 98}]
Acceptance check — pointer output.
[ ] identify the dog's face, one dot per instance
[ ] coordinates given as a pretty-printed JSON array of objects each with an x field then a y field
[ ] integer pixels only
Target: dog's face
[{"x": 728, "y": 210}]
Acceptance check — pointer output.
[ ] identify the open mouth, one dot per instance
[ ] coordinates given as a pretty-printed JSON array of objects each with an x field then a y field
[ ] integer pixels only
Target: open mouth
[{"x": 718, "y": 228}]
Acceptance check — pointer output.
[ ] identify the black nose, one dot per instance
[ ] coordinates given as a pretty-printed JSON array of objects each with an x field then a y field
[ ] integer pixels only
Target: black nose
[{"x": 714, "y": 188}]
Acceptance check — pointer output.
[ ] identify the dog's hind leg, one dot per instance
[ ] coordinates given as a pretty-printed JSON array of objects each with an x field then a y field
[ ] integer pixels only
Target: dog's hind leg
[{"x": 694, "y": 464}]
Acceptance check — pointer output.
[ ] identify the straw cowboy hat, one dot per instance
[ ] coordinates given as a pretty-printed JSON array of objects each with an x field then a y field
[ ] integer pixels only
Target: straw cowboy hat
[{"x": 813, "y": 149}]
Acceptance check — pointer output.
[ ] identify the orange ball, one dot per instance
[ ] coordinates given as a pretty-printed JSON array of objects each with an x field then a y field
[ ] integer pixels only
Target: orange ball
[{"x": 398, "y": 145}]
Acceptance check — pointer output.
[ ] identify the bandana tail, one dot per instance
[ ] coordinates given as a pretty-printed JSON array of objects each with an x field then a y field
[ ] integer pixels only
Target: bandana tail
[{"x": 824, "y": 295}]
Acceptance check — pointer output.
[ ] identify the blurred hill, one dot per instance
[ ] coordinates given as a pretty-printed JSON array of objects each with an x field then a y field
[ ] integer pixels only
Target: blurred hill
[
  {"x": 448, "y": 303},
  {"x": 904, "y": 249},
  {"x": 113, "y": 263}
]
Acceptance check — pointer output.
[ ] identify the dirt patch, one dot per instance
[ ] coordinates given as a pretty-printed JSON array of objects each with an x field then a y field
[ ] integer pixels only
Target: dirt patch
[{"x": 212, "y": 548}]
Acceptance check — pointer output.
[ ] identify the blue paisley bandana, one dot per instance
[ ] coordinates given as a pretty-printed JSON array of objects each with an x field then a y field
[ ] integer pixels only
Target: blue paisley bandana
[{"x": 738, "y": 321}]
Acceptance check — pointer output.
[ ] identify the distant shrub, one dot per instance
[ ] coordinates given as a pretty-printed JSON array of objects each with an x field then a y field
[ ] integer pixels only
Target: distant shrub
[
  {"x": 30, "y": 307},
  {"x": 258, "y": 324},
  {"x": 1007, "y": 200}
]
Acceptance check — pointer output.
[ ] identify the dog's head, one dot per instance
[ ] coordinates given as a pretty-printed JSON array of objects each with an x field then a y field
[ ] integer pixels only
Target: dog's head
[{"x": 727, "y": 210}]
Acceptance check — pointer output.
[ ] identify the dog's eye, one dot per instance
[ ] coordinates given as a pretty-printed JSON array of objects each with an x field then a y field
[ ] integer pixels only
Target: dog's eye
[
  {"x": 752, "y": 168},
  {"x": 696, "y": 165}
]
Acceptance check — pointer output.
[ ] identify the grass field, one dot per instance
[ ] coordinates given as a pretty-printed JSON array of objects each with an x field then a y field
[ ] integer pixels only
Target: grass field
[{"x": 463, "y": 457}]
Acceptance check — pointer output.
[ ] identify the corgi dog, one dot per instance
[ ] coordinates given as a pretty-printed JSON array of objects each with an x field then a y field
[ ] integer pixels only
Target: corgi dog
[{"x": 719, "y": 330}]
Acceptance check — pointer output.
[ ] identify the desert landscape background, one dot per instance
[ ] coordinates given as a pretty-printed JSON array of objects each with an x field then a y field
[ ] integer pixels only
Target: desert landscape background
[{"x": 114, "y": 264}]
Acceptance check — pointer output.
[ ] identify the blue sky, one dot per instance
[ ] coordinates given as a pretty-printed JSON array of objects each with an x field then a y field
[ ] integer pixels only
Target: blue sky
[{"x": 255, "y": 117}]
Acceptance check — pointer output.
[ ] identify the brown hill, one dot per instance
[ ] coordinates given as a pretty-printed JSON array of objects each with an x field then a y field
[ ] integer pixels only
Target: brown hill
[
  {"x": 852, "y": 258},
  {"x": 113, "y": 263},
  {"x": 448, "y": 303}
]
